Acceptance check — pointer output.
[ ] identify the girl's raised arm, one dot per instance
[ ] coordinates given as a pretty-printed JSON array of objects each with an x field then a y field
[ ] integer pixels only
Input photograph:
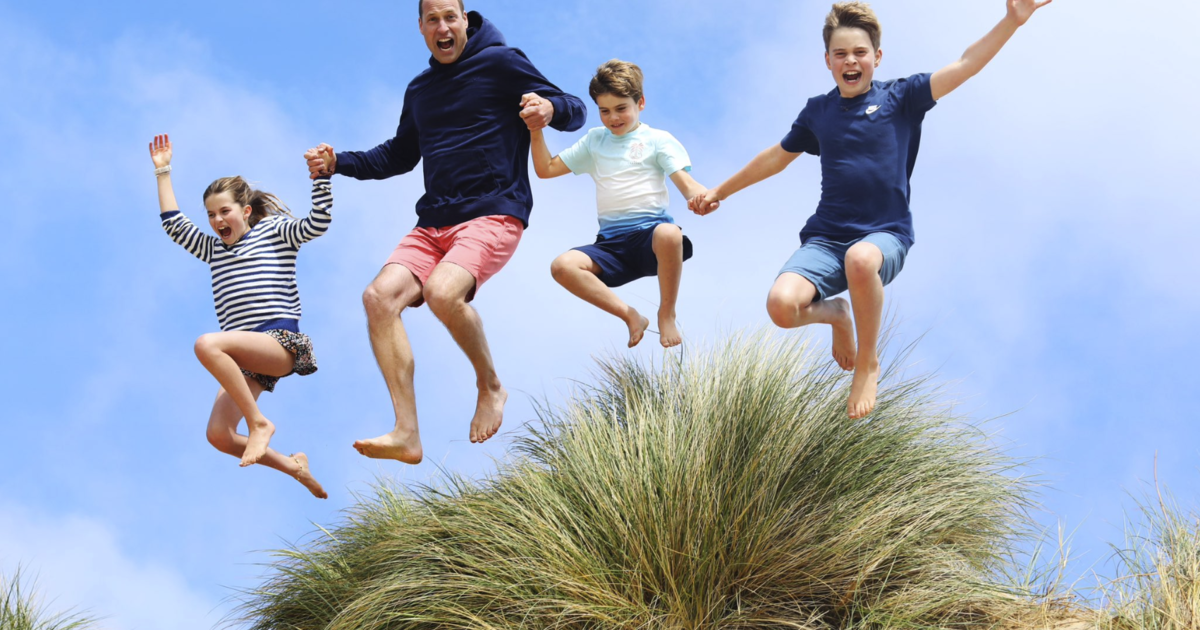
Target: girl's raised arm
[{"x": 160, "y": 152}]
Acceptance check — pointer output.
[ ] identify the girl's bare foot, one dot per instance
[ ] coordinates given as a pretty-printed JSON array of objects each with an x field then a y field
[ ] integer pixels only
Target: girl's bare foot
[
  {"x": 489, "y": 414},
  {"x": 304, "y": 476},
  {"x": 400, "y": 446},
  {"x": 637, "y": 326},
  {"x": 843, "y": 336},
  {"x": 260, "y": 437},
  {"x": 863, "y": 389},
  {"x": 668, "y": 334}
]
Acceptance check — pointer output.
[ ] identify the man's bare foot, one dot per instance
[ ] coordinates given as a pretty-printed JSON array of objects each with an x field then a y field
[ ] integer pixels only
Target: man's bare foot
[
  {"x": 304, "y": 476},
  {"x": 489, "y": 414},
  {"x": 260, "y": 438},
  {"x": 637, "y": 326},
  {"x": 843, "y": 336},
  {"x": 668, "y": 334},
  {"x": 403, "y": 447},
  {"x": 863, "y": 389}
]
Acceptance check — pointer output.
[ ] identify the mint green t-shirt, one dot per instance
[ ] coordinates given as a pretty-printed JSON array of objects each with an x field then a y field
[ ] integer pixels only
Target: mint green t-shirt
[{"x": 630, "y": 172}]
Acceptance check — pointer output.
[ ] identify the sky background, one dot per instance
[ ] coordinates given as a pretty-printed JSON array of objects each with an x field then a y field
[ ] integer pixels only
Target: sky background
[{"x": 1053, "y": 279}]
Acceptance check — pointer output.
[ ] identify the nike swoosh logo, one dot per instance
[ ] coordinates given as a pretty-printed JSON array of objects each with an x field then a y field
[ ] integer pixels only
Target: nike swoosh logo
[{"x": 872, "y": 109}]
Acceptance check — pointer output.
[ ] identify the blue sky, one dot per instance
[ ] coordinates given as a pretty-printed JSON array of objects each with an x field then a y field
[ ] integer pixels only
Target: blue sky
[{"x": 1052, "y": 277}]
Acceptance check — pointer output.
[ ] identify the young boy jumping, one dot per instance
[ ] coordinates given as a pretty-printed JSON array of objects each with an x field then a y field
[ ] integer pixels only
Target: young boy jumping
[
  {"x": 867, "y": 134},
  {"x": 630, "y": 163}
]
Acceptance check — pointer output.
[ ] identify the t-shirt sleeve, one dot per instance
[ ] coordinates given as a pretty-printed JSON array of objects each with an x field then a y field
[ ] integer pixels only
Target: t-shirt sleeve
[
  {"x": 578, "y": 157},
  {"x": 917, "y": 92},
  {"x": 671, "y": 155},
  {"x": 801, "y": 138}
]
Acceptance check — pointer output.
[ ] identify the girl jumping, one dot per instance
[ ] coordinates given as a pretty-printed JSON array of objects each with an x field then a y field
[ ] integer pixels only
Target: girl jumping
[{"x": 253, "y": 263}]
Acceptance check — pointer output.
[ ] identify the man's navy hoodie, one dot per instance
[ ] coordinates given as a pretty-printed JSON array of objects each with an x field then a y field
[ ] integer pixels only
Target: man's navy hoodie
[{"x": 464, "y": 119}]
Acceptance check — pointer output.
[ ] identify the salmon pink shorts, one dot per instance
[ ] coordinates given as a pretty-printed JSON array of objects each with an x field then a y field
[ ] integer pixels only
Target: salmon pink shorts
[{"x": 482, "y": 246}]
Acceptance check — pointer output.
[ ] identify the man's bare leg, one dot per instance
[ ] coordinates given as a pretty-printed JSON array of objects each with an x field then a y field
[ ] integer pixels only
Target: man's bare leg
[
  {"x": 579, "y": 274},
  {"x": 446, "y": 293},
  {"x": 863, "y": 262},
  {"x": 224, "y": 355},
  {"x": 384, "y": 299},
  {"x": 791, "y": 305},
  {"x": 222, "y": 434},
  {"x": 668, "y": 248}
]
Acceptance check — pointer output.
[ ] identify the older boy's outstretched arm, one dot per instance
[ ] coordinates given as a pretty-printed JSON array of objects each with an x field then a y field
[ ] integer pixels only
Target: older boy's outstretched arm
[
  {"x": 766, "y": 164},
  {"x": 948, "y": 79},
  {"x": 544, "y": 165}
]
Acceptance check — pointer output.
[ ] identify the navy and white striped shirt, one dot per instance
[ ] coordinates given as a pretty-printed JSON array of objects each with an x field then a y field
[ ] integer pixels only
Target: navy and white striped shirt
[{"x": 254, "y": 280}]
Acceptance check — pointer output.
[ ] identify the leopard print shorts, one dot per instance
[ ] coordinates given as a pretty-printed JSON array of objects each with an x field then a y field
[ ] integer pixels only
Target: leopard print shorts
[{"x": 298, "y": 344}]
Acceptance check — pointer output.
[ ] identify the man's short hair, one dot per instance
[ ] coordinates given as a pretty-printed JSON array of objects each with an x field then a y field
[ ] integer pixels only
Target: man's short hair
[
  {"x": 619, "y": 78},
  {"x": 852, "y": 15},
  {"x": 421, "y": 8}
]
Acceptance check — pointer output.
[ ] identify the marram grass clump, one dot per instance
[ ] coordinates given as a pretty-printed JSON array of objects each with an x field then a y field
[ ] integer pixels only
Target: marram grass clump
[
  {"x": 727, "y": 489},
  {"x": 20, "y": 609}
]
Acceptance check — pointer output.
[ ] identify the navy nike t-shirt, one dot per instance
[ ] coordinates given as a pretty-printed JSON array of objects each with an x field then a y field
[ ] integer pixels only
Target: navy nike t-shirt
[{"x": 868, "y": 147}]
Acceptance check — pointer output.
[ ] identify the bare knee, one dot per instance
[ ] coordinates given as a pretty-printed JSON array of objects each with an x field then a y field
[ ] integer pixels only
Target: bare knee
[
  {"x": 561, "y": 267},
  {"x": 443, "y": 302},
  {"x": 667, "y": 237},
  {"x": 784, "y": 305},
  {"x": 379, "y": 303},
  {"x": 222, "y": 439},
  {"x": 207, "y": 346},
  {"x": 863, "y": 260}
]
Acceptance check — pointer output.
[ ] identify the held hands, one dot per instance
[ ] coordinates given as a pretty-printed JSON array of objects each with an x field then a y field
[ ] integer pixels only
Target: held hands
[
  {"x": 1021, "y": 10},
  {"x": 536, "y": 111},
  {"x": 160, "y": 151},
  {"x": 705, "y": 203},
  {"x": 322, "y": 161}
]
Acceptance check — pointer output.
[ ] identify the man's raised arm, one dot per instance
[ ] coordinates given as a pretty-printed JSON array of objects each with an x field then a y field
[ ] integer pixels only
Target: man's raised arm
[{"x": 557, "y": 109}]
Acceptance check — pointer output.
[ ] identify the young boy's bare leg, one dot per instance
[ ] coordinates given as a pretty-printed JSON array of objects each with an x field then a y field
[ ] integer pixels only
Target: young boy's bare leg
[
  {"x": 791, "y": 305},
  {"x": 446, "y": 293},
  {"x": 668, "y": 248},
  {"x": 577, "y": 273},
  {"x": 222, "y": 434},
  {"x": 863, "y": 262},
  {"x": 225, "y": 354},
  {"x": 384, "y": 299}
]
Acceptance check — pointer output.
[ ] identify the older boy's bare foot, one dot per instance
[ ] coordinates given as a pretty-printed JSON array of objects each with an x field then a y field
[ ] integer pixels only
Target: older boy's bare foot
[
  {"x": 863, "y": 389},
  {"x": 489, "y": 414},
  {"x": 843, "y": 335},
  {"x": 304, "y": 476},
  {"x": 668, "y": 334},
  {"x": 260, "y": 438},
  {"x": 637, "y": 326},
  {"x": 403, "y": 447}
]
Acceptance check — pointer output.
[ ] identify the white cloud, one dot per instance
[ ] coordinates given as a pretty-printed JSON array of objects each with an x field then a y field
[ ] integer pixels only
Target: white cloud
[{"x": 79, "y": 562}]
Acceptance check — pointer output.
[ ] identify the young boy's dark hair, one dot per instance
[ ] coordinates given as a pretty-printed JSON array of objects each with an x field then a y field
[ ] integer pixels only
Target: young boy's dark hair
[
  {"x": 852, "y": 15},
  {"x": 619, "y": 78}
]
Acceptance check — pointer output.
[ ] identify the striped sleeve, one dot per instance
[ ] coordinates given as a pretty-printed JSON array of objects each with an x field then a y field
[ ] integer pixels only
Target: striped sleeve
[
  {"x": 183, "y": 231},
  {"x": 299, "y": 231}
]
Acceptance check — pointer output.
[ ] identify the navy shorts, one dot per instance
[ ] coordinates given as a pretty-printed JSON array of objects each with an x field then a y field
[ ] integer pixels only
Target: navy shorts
[
  {"x": 626, "y": 257},
  {"x": 823, "y": 262}
]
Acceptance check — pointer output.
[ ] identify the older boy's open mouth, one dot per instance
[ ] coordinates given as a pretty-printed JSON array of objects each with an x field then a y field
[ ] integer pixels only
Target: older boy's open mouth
[
  {"x": 852, "y": 77},
  {"x": 445, "y": 44}
]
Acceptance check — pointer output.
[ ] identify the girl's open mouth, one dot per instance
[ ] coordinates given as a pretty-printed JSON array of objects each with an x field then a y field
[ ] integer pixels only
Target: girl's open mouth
[{"x": 225, "y": 232}]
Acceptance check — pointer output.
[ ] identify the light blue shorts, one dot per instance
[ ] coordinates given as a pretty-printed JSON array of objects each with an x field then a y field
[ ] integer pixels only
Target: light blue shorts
[{"x": 823, "y": 262}]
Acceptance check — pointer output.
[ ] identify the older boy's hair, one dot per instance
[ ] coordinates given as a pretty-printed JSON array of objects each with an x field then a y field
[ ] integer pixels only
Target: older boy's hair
[
  {"x": 619, "y": 78},
  {"x": 852, "y": 15},
  {"x": 421, "y": 8}
]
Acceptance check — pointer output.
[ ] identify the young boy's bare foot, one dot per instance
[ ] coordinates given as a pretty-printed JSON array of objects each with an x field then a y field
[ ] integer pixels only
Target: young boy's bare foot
[
  {"x": 843, "y": 336},
  {"x": 304, "y": 476},
  {"x": 668, "y": 334},
  {"x": 863, "y": 389},
  {"x": 402, "y": 447},
  {"x": 489, "y": 414},
  {"x": 260, "y": 438},
  {"x": 637, "y": 326}
]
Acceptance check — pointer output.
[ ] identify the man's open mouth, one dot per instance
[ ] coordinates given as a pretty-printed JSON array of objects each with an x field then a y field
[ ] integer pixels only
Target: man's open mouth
[
  {"x": 852, "y": 77},
  {"x": 445, "y": 44}
]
